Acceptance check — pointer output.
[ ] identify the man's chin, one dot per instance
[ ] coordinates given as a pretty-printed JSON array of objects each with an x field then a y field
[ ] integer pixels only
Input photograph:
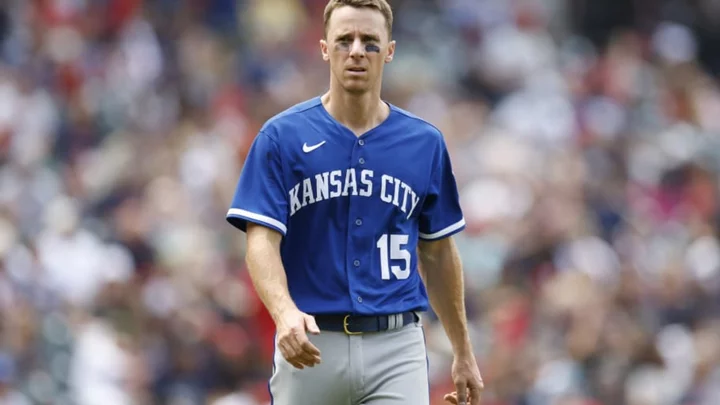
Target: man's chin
[{"x": 356, "y": 88}]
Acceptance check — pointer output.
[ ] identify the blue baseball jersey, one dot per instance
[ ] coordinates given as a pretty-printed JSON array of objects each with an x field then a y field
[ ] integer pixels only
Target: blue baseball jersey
[{"x": 351, "y": 209}]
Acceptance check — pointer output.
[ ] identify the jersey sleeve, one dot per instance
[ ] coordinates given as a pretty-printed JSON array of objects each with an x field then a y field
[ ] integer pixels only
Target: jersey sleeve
[
  {"x": 260, "y": 196},
  {"x": 441, "y": 215}
]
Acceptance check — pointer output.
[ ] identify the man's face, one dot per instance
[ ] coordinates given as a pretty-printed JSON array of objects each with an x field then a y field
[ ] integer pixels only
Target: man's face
[{"x": 357, "y": 47}]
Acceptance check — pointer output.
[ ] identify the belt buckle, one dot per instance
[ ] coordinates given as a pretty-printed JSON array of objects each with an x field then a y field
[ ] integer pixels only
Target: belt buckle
[{"x": 345, "y": 327}]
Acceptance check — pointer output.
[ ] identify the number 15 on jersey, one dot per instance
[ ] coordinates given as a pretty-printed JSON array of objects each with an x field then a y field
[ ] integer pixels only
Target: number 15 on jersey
[{"x": 392, "y": 247}]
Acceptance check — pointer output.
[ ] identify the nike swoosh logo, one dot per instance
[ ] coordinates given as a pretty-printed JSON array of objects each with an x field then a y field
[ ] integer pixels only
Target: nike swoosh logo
[{"x": 308, "y": 149}]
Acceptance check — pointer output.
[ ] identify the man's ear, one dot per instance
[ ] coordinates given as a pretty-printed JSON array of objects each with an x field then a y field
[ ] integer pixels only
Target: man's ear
[
  {"x": 324, "y": 50},
  {"x": 391, "y": 52}
]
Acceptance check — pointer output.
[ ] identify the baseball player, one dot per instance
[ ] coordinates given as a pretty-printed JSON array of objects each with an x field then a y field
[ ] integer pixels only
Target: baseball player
[{"x": 349, "y": 204}]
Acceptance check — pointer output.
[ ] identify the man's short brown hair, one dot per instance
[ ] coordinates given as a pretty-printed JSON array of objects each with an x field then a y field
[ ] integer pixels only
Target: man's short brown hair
[{"x": 380, "y": 5}]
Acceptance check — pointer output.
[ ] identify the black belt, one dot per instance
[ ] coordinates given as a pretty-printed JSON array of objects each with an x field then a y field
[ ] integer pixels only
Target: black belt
[{"x": 359, "y": 324}]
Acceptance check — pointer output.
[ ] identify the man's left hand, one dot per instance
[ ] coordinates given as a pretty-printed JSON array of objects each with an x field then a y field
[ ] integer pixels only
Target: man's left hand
[{"x": 467, "y": 379}]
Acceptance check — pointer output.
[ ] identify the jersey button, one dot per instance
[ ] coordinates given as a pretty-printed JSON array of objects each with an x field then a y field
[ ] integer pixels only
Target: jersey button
[
  {"x": 359, "y": 299},
  {"x": 358, "y": 222},
  {"x": 362, "y": 161},
  {"x": 361, "y": 142},
  {"x": 356, "y": 263}
]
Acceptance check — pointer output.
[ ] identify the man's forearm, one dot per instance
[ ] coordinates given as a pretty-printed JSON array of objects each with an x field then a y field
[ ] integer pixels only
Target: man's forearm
[
  {"x": 267, "y": 272},
  {"x": 441, "y": 269}
]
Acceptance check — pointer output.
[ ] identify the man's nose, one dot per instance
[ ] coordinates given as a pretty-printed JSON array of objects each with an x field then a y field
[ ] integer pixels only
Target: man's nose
[{"x": 357, "y": 49}]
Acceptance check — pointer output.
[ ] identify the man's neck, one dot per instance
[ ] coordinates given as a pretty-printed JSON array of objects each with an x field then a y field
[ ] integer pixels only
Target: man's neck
[{"x": 359, "y": 113}]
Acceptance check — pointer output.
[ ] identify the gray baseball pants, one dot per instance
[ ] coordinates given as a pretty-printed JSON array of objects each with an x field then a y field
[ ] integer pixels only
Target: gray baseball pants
[{"x": 381, "y": 368}]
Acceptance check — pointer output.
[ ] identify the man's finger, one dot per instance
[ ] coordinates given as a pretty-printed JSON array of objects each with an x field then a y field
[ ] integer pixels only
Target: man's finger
[
  {"x": 305, "y": 347},
  {"x": 304, "y": 351},
  {"x": 296, "y": 364},
  {"x": 309, "y": 348},
  {"x": 311, "y": 326},
  {"x": 308, "y": 359},
  {"x": 289, "y": 355},
  {"x": 285, "y": 350},
  {"x": 299, "y": 357},
  {"x": 475, "y": 394},
  {"x": 461, "y": 388},
  {"x": 309, "y": 356},
  {"x": 295, "y": 340},
  {"x": 293, "y": 347},
  {"x": 452, "y": 398}
]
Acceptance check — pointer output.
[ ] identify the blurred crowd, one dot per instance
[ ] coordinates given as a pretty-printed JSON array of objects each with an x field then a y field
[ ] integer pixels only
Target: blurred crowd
[{"x": 585, "y": 137}]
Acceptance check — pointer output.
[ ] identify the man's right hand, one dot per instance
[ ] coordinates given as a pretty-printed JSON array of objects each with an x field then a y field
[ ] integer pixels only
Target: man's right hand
[{"x": 292, "y": 327}]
